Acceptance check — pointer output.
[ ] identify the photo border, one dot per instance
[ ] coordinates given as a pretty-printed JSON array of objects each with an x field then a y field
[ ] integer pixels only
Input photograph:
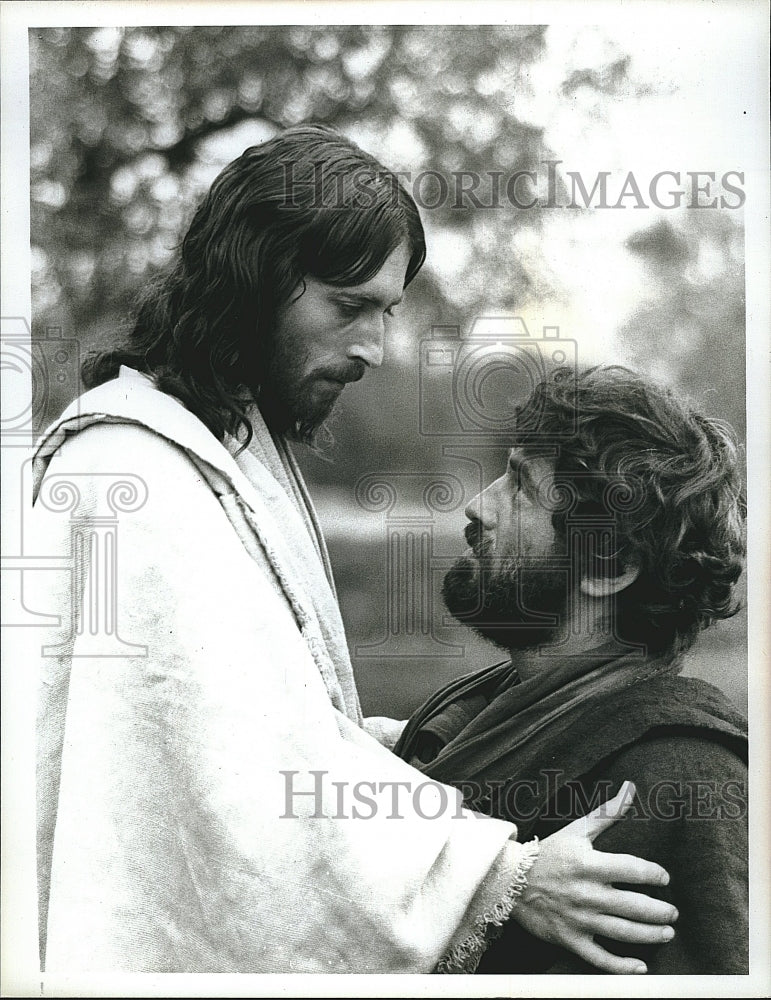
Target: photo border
[{"x": 19, "y": 926}]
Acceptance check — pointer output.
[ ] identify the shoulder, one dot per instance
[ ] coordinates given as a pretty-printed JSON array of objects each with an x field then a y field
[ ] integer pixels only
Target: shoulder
[
  {"x": 669, "y": 699},
  {"x": 116, "y": 445},
  {"x": 689, "y": 790},
  {"x": 112, "y": 451},
  {"x": 129, "y": 420},
  {"x": 678, "y": 777},
  {"x": 117, "y": 468},
  {"x": 684, "y": 752},
  {"x": 665, "y": 720},
  {"x": 682, "y": 774}
]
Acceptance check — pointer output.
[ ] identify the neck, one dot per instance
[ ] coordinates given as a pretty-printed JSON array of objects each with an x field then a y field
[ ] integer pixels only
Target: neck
[{"x": 584, "y": 628}]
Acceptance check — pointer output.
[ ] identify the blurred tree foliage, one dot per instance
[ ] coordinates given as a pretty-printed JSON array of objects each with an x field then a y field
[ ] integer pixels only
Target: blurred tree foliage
[
  {"x": 128, "y": 128},
  {"x": 692, "y": 330},
  {"x": 119, "y": 118},
  {"x": 124, "y": 126}
]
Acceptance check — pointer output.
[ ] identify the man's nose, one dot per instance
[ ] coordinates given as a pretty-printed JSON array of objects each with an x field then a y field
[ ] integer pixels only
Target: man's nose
[
  {"x": 368, "y": 344},
  {"x": 482, "y": 509}
]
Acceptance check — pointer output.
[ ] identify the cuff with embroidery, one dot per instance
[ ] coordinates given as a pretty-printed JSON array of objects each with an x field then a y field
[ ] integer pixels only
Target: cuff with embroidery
[{"x": 490, "y": 908}]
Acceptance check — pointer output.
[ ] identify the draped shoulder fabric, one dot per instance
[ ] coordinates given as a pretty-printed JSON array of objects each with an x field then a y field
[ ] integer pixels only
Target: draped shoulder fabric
[
  {"x": 543, "y": 751},
  {"x": 208, "y": 797},
  {"x": 491, "y": 727}
]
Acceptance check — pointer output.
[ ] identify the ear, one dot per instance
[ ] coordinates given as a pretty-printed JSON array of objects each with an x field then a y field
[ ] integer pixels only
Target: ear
[{"x": 606, "y": 586}]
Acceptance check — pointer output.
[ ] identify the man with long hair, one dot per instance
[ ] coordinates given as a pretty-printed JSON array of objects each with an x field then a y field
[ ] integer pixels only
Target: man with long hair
[
  {"x": 210, "y": 798},
  {"x": 613, "y": 539}
]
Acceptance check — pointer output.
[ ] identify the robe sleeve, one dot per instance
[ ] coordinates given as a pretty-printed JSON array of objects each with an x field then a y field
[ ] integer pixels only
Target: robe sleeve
[
  {"x": 384, "y": 730},
  {"x": 204, "y": 806}
]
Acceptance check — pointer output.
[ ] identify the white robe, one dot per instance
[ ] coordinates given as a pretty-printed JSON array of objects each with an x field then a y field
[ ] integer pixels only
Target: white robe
[{"x": 179, "y": 717}]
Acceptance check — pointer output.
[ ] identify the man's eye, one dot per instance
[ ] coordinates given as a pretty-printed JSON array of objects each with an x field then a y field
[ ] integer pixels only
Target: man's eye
[
  {"x": 348, "y": 309},
  {"x": 519, "y": 484}
]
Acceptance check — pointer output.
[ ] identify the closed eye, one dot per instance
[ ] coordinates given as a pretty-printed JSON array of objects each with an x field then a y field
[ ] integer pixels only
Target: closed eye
[
  {"x": 520, "y": 474},
  {"x": 348, "y": 309},
  {"x": 351, "y": 308}
]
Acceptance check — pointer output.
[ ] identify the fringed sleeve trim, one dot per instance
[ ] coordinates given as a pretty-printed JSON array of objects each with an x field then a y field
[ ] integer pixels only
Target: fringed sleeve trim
[{"x": 465, "y": 955}]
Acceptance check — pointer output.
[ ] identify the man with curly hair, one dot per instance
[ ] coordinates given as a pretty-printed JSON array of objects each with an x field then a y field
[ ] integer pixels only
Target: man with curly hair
[{"x": 615, "y": 536}]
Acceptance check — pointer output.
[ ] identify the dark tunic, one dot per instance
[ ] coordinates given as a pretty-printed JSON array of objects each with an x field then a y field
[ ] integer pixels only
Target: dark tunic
[{"x": 684, "y": 746}]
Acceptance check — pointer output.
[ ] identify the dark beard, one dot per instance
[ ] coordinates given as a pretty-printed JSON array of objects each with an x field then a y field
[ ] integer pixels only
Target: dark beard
[
  {"x": 287, "y": 411},
  {"x": 505, "y": 603},
  {"x": 298, "y": 406}
]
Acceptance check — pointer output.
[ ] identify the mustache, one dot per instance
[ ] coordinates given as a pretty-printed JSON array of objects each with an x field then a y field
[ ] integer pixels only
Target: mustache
[
  {"x": 476, "y": 539},
  {"x": 352, "y": 372}
]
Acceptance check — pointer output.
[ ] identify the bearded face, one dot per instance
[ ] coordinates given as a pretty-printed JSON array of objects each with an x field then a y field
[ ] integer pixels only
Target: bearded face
[
  {"x": 510, "y": 586},
  {"x": 296, "y": 402},
  {"x": 514, "y": 603},
  {"x": 325, "y": 337}
]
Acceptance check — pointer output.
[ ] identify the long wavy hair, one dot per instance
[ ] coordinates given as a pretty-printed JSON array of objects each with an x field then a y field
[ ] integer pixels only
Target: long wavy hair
[
  {"x": 307, "y": 202},
  {"x": 680, "y": 513}
]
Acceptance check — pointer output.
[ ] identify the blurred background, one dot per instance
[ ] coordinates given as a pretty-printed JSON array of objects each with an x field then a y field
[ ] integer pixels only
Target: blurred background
[{"x": 130, "y": 126}]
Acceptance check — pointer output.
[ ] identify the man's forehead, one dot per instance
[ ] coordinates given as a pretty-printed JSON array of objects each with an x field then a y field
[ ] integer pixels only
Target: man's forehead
[{"x": 387, "y": 285}]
